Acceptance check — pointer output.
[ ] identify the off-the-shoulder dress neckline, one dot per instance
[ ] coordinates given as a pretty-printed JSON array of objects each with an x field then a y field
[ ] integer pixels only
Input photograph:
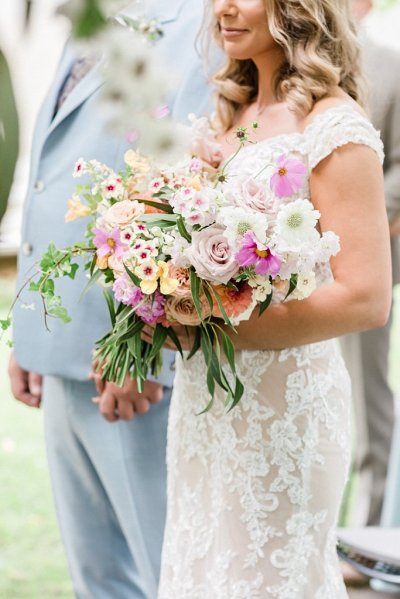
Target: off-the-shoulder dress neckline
[{"x": 301, "y": 135}]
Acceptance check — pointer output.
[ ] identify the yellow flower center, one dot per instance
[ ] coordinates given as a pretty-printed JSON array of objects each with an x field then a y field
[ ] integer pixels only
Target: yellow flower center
[
  {"x": 111, "y": 243},
  {"x": 282, "y": 172},
  {"x": 262, "y": 253}
]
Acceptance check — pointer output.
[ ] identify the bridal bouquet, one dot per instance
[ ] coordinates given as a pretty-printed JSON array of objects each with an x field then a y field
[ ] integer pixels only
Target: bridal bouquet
[{"x": 189, "y": 244}]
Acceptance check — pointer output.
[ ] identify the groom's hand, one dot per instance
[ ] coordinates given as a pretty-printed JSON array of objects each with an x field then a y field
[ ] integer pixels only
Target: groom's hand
[
  {"x": 124, "y": 403},
  {"x": 25, "y": 386}
]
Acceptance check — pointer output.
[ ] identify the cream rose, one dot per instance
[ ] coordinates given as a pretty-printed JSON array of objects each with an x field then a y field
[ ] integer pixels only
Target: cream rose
[{"x": 123, "y": 213}]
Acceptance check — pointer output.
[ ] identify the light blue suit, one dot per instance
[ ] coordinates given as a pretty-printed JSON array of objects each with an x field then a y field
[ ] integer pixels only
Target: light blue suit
[{"x": 108, "y": 480}]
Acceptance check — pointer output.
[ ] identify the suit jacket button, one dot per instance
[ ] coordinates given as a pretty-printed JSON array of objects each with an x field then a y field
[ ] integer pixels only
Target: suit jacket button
[
  {"x": 27, "y": 248},
  {"x": 39, "y": 186}
]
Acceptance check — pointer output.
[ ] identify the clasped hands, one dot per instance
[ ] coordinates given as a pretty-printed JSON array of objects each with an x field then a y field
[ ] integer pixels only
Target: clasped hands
[
  {"x": 115, "y": 403},
  {"x": 126, "y": 402}
]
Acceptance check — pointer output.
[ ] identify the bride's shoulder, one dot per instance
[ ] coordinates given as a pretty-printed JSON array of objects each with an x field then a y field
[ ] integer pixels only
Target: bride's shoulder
[
  {"x": 333, "y": 108},
  {"x": 336, "y": 121}
]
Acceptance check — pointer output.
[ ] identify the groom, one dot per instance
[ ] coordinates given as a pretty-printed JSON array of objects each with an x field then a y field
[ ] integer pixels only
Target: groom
[{"x": 108, "y": 481}]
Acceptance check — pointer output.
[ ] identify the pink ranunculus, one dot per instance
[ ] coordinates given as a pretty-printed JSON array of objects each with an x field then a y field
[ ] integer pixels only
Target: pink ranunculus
[
  {"x": 254, "y": 253},
  {"x": 211, "y": 255},
  {"x": 123, "y": 213},
  {"x": 289, "y": 176},
  {"x": 183, "y": 310}
]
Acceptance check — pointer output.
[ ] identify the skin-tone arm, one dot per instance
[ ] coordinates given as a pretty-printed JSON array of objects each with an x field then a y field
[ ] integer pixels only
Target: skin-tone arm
[
  {"x": 347, "y": 188},
  {"x": 25, "y": 386}
]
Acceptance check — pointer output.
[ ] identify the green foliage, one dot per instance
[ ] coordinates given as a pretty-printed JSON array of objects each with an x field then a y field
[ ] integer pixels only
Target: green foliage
[
  {"x": 9, "y": 134},
  {"x": 89, "y": 21},
  {"x": 32, "y": 564}
]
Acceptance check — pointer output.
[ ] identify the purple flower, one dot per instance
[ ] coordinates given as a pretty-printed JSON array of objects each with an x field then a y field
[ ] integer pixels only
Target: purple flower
[
  {"x": 152, "y": 308},
  {"x": 149, "y": 307},
  {"x": 108, "y": 243},
  {"x": 254, "y": 253},
  {"x": 288, "y": 177},
  {"x": 126, "y": 292}
]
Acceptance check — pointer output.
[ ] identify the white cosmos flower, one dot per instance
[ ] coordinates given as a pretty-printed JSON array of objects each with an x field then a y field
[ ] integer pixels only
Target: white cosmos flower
[
  {"x": 296, "y": 222},
  {"x": 239, "y": 220}
]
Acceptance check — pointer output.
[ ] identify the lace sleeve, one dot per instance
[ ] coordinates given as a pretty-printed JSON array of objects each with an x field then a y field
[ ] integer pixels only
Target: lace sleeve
[{"x": 337, "y": 127}]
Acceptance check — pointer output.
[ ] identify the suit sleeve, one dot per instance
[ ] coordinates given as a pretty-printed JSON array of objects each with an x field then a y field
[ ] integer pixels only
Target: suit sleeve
[{"x": 392, "y": 159}]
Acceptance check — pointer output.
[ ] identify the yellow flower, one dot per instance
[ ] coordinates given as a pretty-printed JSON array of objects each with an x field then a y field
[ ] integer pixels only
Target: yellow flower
[
  {"x": 147, "y": 271},
  {"x": 150, "y": 272},
  {"x": 167, "y": 284},
  {"x": 102, "y": 262},
  {"x": 76, "y": 209},
  {"x": 136, "y": 162},
  {"x": 148, "y": 287},
  {"x": 195, "y": 183}
]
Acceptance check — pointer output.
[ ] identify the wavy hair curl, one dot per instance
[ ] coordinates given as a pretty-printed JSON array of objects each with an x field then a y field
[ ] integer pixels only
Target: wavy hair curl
[{"x": 321, "y": 52}]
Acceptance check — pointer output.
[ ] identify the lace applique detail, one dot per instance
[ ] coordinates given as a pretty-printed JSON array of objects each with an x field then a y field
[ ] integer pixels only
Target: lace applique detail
[
  {"x": 337, "y": 127},
  {"x": 253, "y": 495}
]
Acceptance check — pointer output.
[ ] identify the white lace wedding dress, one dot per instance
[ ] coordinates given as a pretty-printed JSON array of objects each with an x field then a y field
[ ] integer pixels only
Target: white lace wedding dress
[{"x": 253, "y": 495}]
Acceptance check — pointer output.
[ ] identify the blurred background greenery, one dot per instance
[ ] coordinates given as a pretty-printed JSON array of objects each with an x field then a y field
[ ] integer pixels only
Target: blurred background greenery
[{"x": 32, "y": 564}]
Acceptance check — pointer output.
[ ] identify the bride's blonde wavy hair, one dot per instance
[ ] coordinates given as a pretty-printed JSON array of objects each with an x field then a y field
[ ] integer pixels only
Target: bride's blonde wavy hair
[{"x": 321, "y": 51}]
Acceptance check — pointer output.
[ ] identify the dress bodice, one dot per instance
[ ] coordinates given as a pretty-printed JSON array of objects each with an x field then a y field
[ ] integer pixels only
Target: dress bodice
[{"x": 328, "y": 131}]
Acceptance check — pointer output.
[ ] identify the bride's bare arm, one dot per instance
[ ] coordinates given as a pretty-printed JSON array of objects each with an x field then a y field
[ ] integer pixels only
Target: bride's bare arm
[{"x": 347, "y": 188}]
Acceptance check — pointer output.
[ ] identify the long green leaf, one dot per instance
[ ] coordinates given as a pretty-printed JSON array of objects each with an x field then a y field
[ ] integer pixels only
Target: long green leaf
[
  {"x": 132, "y": 276},
  {"x": 196, "y": 343},
  {"x": 229, "y": 351},
  {"x": 160, "y": 206},
  {"x": 221, "y": 307},
  {"x": 159, "y": 337},
  {"x": 182, "y": 229},
  {"x": 292, "y": 285},
  {"x": 264, "y": 305},
  {"x": 174, "y": 337},
  {"x": 110, "y": 305},
  {"x": 195, "y": 289}
]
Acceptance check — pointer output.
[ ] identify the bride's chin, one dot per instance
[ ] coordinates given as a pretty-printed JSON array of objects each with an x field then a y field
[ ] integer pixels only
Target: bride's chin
[{"x": 237, "y": 53}]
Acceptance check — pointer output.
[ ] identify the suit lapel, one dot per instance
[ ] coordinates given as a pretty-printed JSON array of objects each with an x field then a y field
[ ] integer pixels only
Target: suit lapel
[
  {"x": 85, "y": 88},
  {"x": 93, "y": 80}
]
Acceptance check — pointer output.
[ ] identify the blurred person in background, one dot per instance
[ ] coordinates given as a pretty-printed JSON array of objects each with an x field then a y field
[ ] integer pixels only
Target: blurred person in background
[
  {"x": 108, "y": 481},
  {"x": 366, "y": 353}
]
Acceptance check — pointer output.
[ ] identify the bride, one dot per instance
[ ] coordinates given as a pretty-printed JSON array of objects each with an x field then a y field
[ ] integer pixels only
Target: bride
[{"x": 253, "y": 495}]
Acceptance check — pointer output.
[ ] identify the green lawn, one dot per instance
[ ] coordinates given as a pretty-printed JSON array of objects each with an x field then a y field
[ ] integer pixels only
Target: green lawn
[{"x": 32, "y": 564}]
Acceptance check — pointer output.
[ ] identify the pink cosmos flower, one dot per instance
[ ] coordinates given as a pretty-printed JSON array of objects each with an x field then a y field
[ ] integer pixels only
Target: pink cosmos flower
[
  {"x": 254, "y": 253},
  {"x": 108, "y": 243},
  {"x": 288, "y": 177}
]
